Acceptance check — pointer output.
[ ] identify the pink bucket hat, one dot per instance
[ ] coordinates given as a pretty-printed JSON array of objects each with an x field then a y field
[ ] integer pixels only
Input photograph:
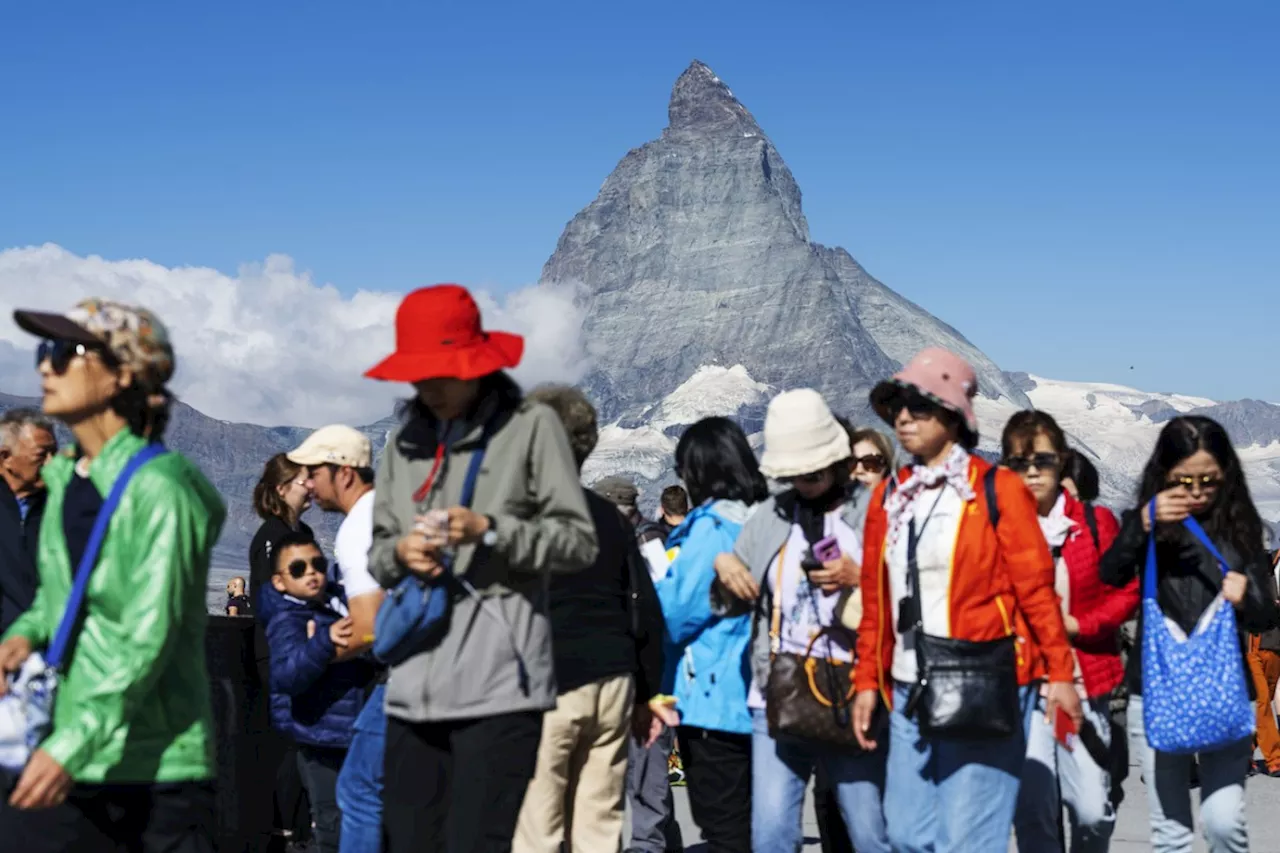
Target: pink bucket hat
[{"x": 938, "y": 375}]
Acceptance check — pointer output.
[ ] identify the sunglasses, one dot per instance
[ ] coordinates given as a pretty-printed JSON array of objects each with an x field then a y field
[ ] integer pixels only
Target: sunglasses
[
  {"x": 872, "y": 464},
  {"x": 1202, "y": 483},
  {"x": 298, "y": 568},
  {"x": 1039, "y": 461},
  {"x": 918, "y": 406},
  {"x": 61, "y": 353}
]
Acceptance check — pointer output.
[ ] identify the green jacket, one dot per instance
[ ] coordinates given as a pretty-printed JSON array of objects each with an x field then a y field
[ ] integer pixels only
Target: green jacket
[{"x": 133, "y": 705}]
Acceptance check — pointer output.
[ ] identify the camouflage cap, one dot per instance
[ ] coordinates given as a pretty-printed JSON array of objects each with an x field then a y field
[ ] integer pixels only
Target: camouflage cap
[{"x": 134, "y": 336}]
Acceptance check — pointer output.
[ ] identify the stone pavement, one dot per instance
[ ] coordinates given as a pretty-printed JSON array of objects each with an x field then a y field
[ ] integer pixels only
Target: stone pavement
[{"x": 1262, "y": 796}]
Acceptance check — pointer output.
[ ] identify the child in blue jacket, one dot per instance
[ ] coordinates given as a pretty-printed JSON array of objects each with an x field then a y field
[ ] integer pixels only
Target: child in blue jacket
[{"x": 315, "y": 694}]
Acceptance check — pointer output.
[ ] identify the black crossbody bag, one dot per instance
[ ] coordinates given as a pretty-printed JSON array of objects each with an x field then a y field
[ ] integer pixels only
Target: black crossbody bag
[{"x": 964, "y": 689}]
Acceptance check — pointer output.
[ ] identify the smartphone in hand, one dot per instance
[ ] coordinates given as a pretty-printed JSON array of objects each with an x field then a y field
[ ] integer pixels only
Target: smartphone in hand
[{"x": 827, "y": 550}]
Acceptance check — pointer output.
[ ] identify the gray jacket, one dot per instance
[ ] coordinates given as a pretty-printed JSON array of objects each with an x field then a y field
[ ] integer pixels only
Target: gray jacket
[
  {"x": 528, "y": 484},
  {"x": 759, "y": 542}
]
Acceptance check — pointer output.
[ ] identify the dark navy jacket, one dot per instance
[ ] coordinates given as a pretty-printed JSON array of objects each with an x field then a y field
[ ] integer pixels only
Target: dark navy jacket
[
  {"x": 18, "y": 540},
  {"x": 313, "y": 700}
]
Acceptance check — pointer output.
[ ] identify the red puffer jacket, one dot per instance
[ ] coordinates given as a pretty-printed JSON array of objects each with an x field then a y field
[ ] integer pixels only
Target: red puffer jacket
[{"x": 1100, "y": 609}]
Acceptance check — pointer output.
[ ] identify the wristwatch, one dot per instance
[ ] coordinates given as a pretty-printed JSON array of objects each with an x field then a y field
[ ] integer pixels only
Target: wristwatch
[{"x": 490, "y": 537}]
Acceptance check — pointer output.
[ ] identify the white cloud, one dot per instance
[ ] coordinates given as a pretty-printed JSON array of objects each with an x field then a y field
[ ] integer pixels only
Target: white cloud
[{"x": 268, "y": 345}]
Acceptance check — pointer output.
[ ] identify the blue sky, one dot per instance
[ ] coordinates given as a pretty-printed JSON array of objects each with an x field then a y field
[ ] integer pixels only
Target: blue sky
[{"x": 1078, "y": 187}]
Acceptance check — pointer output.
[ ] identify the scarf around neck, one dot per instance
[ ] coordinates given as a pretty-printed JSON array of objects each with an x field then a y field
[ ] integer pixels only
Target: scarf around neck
[
  {"x": 1055, "y": 526},
  {"x": 953, "y": 472}
]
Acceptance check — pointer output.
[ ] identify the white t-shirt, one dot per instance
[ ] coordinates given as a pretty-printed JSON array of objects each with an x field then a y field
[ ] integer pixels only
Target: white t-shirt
[
  {"x": 933, "y": 559},
  {"x": 351, "y": 549},
  {"x": 799, "y": 621}
]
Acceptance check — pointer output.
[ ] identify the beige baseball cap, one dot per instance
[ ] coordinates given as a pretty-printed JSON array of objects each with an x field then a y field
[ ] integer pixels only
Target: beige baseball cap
[{"x": 335, "y": 444}]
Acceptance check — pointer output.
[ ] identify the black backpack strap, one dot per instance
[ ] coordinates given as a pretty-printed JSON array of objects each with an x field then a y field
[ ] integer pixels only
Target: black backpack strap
[
  {"x": 993, "y": 505},
  {"x": 1091, "y": 519}
]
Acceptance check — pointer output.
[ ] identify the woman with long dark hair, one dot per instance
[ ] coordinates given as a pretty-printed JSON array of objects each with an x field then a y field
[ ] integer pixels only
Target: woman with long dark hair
[
  {"x": 478, "y": 494},
  {"x": 1194, "y": 472},
  {"x": 706, "y": 661},
  {"x": 1078, "y": 533},
  {"x": 129, "y": 763}
]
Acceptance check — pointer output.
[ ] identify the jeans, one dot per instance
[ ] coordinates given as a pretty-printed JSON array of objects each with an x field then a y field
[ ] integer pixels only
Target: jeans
[
  {"x": 717, "y": 771},
  {"x": 780, "y": 771},
  {"x": 141, "y": 818},
  {"x": 319, "y": 768},
  {"x": 1168, "y": 778},
  {"x": 946, "y": 795},
  {"x": 654, "y": 828},
  {"x": 360, "y": 782},
  {"x": 456, "y": 786},
  {"x": 1053, "y": 777}
]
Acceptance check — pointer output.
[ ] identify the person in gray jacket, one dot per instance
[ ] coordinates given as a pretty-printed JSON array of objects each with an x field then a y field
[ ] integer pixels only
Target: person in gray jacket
[
  {"x": 795, "y": 597},
  {"x": 464, "y": 716}
]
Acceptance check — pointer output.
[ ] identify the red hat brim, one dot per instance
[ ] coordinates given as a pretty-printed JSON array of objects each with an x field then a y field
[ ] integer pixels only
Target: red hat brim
[{"x": 498, "y": 351}]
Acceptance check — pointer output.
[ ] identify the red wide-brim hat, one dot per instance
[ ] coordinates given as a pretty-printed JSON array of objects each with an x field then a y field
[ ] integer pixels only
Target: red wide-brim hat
[{"x": 438, "y": 336}]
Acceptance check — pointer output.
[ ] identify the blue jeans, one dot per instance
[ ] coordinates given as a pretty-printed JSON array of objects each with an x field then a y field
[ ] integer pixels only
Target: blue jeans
[
  {"x": 1168, "y": 779},
  {"x": 360, "y": 782},
  {"x": 780, "y": 771},
  {"x": 944, "y": 795},
  {"x": 1054, "y": 777}
]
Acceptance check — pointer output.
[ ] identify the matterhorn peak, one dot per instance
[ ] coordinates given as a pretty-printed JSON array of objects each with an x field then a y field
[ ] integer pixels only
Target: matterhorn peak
[{"x": 702, "y": 103}]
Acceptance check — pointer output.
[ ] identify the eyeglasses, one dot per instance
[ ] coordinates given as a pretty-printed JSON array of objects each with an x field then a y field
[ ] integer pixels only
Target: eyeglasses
[
  {"x": 1193, "y": 484},
  {"x": 872, "y": 464},
  {"x": 1039, "y": 461},
  {"x": 298, "y": 568},
  {"x": 60, "y": 354}
]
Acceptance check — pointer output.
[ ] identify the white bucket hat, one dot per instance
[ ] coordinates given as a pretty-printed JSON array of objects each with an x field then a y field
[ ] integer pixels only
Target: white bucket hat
[{"x": 801, "y": 436}]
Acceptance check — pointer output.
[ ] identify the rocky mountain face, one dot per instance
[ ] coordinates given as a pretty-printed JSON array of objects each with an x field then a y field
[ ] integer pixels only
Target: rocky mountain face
[{"x": 696, "y": 252}]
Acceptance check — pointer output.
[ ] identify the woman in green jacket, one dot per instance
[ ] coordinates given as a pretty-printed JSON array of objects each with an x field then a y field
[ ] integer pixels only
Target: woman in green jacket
[{"x": 129, "y": 761}]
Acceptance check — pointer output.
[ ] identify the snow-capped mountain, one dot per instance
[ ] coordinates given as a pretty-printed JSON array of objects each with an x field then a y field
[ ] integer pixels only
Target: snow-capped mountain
[{"x": 1116, "y": 426}]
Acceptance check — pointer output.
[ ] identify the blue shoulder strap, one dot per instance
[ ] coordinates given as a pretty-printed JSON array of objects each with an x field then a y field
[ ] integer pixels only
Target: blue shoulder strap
[
  {"x": 1198, "y": 531},
  {"x": 62, "y": 638},
  {"x": 473, "y": 467},
  {"x": 1149, "y": 575}
]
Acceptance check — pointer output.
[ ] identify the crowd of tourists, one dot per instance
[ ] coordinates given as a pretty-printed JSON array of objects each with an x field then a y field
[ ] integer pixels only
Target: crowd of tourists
[{"x": 955, "y": 649}]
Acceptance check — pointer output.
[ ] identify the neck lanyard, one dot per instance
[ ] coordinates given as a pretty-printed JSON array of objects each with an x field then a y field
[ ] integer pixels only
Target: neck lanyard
[{"x": 913, "y": 539}]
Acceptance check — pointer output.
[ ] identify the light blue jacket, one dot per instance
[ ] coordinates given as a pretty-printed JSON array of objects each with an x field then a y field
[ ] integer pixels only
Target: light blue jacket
[{"x": 707, "y": 668}]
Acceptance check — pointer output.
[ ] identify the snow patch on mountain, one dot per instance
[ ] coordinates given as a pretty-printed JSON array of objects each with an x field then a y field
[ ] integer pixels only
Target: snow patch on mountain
[
  {"x": 1114, "y": 425},
  {"x": 645, "y": 447},
  {"x": 710, "y": 391}
]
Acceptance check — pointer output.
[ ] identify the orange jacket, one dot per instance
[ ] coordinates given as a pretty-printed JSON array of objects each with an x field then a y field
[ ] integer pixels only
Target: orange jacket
[{"x": 1001, "y": 584}]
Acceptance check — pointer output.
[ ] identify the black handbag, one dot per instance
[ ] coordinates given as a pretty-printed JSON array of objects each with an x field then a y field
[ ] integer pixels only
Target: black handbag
[{"x": 964, "y": 689}]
